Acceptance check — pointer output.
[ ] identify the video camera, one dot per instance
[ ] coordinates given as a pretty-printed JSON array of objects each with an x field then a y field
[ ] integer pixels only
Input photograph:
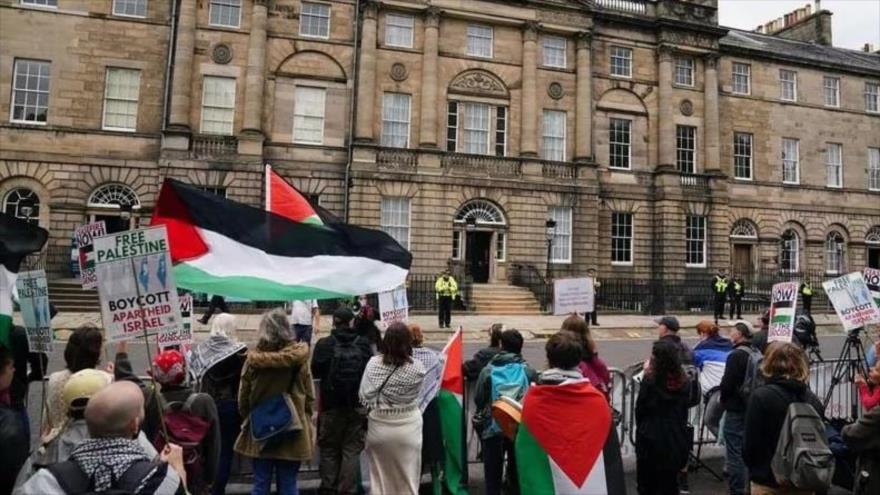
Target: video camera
[{"x": 805, "y": 332}]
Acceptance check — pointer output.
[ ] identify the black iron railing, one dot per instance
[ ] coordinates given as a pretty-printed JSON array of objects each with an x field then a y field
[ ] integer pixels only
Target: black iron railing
[{"x": 528, "y": 276}]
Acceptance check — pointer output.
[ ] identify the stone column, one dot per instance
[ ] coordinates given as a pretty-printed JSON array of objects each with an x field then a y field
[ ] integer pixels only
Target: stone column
[
  {"x": 528, "y": 128},
  {"x": 256, "y": 69},
  {"x": 584, "y": 99},
  {"x": 666, "y": 126},
  {"x": 428, "y": 107},
  {"x": 181, "y": 81},
  {"x": 711, "y": 119},
  {"x": 366, "y": 93}
]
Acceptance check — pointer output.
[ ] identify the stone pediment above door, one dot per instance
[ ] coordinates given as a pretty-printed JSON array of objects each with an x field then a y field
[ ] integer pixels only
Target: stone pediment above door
[{"x": 478, "y": 82}]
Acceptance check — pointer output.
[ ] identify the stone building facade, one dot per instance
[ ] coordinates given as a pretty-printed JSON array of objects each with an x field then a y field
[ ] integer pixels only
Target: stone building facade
[{"x": 658, "y": 143}]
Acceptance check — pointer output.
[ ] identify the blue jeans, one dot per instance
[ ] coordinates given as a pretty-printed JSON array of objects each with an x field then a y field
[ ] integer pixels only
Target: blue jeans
[
  {"x": 303, "y": 333},
  {"x": 285, "y": 476},
  {"x": 734, "y": 427},
  {"x": 230, "y": 425}
]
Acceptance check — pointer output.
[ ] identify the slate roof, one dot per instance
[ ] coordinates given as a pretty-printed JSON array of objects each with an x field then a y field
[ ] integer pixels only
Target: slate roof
[{"x": 776, "y": 47}]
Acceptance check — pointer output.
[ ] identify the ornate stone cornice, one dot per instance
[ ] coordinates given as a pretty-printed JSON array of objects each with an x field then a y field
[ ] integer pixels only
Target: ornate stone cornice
[
  {"x": 370, "y": 9},
  {"x": 583, "y": 39},
  {"x": 711, "y": 60},
  {"x": 261, "y": 3},
  {"x": 478, "y": 82},
  {"x": 530, "y": 30},
  {"x": 665, "y": 53},
  {"x": 432, "y": 17}
]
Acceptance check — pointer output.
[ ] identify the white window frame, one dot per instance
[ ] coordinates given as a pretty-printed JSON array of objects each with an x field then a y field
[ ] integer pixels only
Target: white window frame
[
  {"x": 230, "y": 4},
  {"x": 232, "y": 107},
  {"x": 501, "y": 246},
  {"x": 456, "y": 244},
  {"x": 473, "y": 33},
  {"x": 107, "y": 99},
  {"x": 624, "y": 54},
  {"x": 502, "y": 123},
  {"x": 702, "y": 227},
  {"x": 612, "y": 143},
  {"x": 795, "y": 244},
  {"x": 41, "y": 3},
  {"x": 26, "y": 91},
  {"x": 390, "y": 205},
  {"x": 388, "y": 117},
  {"x": 130, "y": 2},
  {"x": 873, "y": 169},
  {"x": 835, "y": 88},
  {"x": 299, "y": 114},
  {"x": 681, "y": 152},
  {"x": 834, "y": 164},
  {"x": 557, "y": 213},
  {"x": 795, "y": 160},
  {"x": 618, "y": 233},
  {"x": 303, "y": 14},
  {"x": 738, "y": 76},
  {"x": 468, "y": 130},
  {"x": 738, "y": 154},
  {"x": 684, "y": 66},
  {"x": 554, "y": 61},
  {"x": 834, "y": 259},
  {"x": 872, "y": 94},
  {"x": 555, "y": 154},
  {"x": 783, "y": 84},
  {"x": 397, "y": 23}
]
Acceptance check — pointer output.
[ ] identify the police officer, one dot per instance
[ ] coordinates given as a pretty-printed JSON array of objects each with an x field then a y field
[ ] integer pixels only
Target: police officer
[
  {"x": 447, "y": 290},
  {"x": 737, "y": 289},
  {"x": 806, "y": 290},
  {"x": 719, "y": 290}
]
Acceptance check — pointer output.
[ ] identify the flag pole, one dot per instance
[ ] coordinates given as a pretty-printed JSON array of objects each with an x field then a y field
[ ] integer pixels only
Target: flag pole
[{"x": 464, "y": 408}]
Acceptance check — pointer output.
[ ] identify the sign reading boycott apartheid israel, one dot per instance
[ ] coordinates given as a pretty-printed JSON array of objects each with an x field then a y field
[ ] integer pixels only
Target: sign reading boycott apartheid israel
[
  {"x": 872, "y": 280},
  {"x": 85, "y": 235},
  {"x": 181, "y": 335},
  {"x": 393, "y": 305},
  {"x": 852, "y": 300},
  {"x": 136, "y": 284},
  {"x": 573, "y": 295},
  {"x": 783, "y": 303},
  {"x": 33, "y": 299}
]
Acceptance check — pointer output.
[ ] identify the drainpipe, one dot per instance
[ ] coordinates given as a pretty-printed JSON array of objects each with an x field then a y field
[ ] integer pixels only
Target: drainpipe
[
  {"x": 169, "y": 62},
  {"x": 351, "y": 111}
]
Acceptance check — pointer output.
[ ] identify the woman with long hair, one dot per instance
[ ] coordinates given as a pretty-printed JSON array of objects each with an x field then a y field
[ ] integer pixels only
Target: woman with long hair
[
  {"x": 432, "y": 437},
  {"x": 83, "y": 351},
  {"x": 591, "y": 366},
  {"x": 662, "y": 443},
  {"x": 390, "y": 389},
  {"x": 278, "y": 365}
]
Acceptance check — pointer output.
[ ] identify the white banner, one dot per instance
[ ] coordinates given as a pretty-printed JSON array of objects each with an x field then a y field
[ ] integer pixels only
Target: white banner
[
  {"x": 182, "y": 335},
  {"x": 33, "y": 299},
  {"x": 136, "y": 283},
  {"x": 85, "y": 235},
  {"x": 872, "y": 280},
  {"x": 393, "y": 305},
  {"x": 783, "y": 307},
  {"x": 852, "y": 300},
  {"x": 573, "y": 295}
]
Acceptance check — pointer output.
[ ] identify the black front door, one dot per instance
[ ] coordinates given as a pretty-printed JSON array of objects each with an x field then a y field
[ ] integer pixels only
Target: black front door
[
  {"x": 478, "y": 255},
  {"x": 874, "y": 258},
  {"x": 114, "y": 223}
]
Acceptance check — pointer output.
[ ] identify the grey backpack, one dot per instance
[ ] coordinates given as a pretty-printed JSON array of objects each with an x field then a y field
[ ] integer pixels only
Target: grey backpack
[
  {"x": 753, "y": 378},
  {"x": 802, "y": 457}
]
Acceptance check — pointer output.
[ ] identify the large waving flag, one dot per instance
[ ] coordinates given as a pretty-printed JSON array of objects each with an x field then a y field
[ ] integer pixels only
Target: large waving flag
[
  {"x": 283, "y": 199},
  {"x": 449, "y": 402},
  {"x": 17, "y": 240},
  {"x": 566, "y": 443},
  {"x": 223, "y": 247}
]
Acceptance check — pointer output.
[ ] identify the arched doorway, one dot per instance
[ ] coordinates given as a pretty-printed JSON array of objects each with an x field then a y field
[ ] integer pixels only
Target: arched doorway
[
  {"x": 479, "y": 240},
  {"x": 743, "y": 239},
  {"x": 110, "y": 202}
]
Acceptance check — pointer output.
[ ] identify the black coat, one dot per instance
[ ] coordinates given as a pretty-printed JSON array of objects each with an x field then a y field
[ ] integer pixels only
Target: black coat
[
  {"x": 322, "y": 356},
  {"x": 14, "y": 438},
  {"x": 734, "y": 375},
  {"x": 765, "y": 414},
  {"x": 863, "y": 437},
  {"x": 661, "y": 425},
  {"x": 473, "y": 366}
]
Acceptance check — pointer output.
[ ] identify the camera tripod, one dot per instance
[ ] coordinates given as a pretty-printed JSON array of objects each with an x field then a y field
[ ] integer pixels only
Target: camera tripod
[{"x": 850, "y": 362}]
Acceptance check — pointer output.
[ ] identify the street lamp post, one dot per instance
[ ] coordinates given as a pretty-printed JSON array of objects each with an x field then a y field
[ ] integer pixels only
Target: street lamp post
[
  {"x": 470, "y": 225},
  {"x": 550, "y": 231}
]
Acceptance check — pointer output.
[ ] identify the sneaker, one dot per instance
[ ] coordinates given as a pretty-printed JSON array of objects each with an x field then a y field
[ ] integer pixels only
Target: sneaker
[{"x": 683, "y": 486}]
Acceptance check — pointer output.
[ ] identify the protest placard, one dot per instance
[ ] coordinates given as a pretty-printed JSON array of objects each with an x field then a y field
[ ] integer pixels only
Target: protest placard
[
  {"x": 783, "y": 305},
  {"x": 33, "y": 299},
  {"x": 85, "y": 235},
  {"x": 573, "y": 295},
  {"x": 181, "y": 336},
  {"x": 852, "y": 300},
  {"x": 393, "y": 305},
  {"x": 136, "y": 284},
  {"x": 872, "y": 280}
]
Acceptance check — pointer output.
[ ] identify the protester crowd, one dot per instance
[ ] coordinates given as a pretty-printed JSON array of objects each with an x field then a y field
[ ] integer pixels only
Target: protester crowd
[{"x": 105, "y": 426}]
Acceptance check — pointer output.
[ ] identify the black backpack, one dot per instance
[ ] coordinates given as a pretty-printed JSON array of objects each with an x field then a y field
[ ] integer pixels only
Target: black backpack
[
  {"x": 74, "y": 481},
  {"x": 346, "y": 370}
]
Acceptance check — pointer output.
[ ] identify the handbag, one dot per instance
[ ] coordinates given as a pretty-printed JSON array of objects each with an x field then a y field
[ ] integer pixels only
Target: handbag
[
  {"x": 275, "y": 418},
  {"x": 382, "y": 387}
]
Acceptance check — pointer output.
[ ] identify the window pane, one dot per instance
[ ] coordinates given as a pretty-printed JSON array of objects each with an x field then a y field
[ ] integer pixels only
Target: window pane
[
  {"x": 399, "y": 30},
  {"x": 685, "y": 147},
  {"x": 135, "y": 8},
  {"x": 395, "y": 218},
  {"x": 831, "y": 86},
  {"x": 475, "y": 137},
  {"x": 742, "y": 155},
  {"x": 874, "y": 169},
  {"x": 500, "y": 246},
  {"x": 479, "y": 40},
  {"x": 218, "y": 105},
  {"x": 695, "y": 239},
  {"x": 121, "y": 98},
  {"x": 395, "y": 120},
  {"x": 452, "y": 126},
  {"x": 225, "y": 13},
  {"x": 790, "y": 152},
  {"x": 19, "y": 198},
  {"x": 42, "y": 3},
  {"x": 621, "y": 237},
  {"x": 788, "y": 251},
  {"x": 554, "y": 51},
  {"x": 30, "y": 91},
  {"x": 742, "y": 74},
  {"x": 619, "y": 143},
  {"x": 684, "y": 71},
  {"x": 787, "y": 85},
  {"x": 561, "y": 247},
  {"x": 834, "y": 251},
  {"x": 500, "y": 131},
  {"x": 872, "y": 97},
  {"x": 315, "y": 20},
  {"x": 554, "y": 136},
  {"x": 308, "y": 115},
  {"x": 621, "y": 61},
  {"x": 834, "y": 164}
]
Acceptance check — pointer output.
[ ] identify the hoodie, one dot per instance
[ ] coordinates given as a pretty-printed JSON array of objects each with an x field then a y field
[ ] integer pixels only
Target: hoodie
[{"x": 710, "y": 356}]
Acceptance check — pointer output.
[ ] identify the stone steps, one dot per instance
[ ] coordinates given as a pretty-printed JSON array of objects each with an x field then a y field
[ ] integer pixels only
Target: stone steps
[
  {"x": 68, "y": 296},
  {"x": 497, "y": 299}
]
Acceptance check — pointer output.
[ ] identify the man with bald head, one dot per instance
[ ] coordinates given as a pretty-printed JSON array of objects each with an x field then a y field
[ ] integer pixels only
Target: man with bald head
[{"x": 112, "y": 458}]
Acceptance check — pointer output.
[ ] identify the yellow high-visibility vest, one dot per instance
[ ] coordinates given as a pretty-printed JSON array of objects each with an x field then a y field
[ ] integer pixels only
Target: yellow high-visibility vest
[
  {"x": 808, "y": 290},
  {"x": 720, "y": 285},
  {"x": 447, "y": 287}
]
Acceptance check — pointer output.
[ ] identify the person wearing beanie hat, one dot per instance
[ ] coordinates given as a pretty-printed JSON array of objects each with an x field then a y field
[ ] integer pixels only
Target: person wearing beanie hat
[{"x": 169, "y": 368}]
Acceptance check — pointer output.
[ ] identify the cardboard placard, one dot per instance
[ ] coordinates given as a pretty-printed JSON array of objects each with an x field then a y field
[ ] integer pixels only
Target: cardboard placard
[
  {"x": 33, "y": 299},
  {"x": 783, "y": 307},
  {"x": 393, "y": 305},
  {"x": 182, "y": 335},
  {"x": 573, "y": 295},
  {"x": 853, "y": 302},
  {"x": 85, "y": 236},
  {"x": 872, "y": 280}
]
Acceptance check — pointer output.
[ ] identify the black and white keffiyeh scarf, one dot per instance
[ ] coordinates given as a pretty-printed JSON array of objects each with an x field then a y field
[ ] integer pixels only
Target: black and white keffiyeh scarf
[{"x": 105, "y": 460}]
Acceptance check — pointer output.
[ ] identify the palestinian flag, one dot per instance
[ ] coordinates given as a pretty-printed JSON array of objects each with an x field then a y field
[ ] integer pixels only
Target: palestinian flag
[
  {"x": 232, "y": 249},
  {"x": 783, "y": 302},
  {"x": 449, "y": 402},
  {"x": 566, "y": 443},
  {"x": 17, "y": 240},
  {"x": 283, "y": 199}
]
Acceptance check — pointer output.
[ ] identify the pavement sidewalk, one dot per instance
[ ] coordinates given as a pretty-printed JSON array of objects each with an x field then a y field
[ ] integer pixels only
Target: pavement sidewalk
[{"x": 537, "y": 327}]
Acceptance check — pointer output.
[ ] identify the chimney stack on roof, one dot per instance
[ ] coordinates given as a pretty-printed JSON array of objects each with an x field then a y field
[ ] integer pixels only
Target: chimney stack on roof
[
  {"x": 868, "y": 48},
  {"x": 801, "y": 24}
]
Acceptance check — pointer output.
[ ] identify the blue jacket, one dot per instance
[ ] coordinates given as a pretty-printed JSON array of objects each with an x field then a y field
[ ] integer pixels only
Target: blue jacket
[{"x": 715, "y": 348}]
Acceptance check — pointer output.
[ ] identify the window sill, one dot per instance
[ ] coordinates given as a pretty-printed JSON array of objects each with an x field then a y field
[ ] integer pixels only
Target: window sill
[
  {"x": 622, "y": 263},
  {"x": 737, "y": 93},
  {"x": 797, "y": 183},
  {"x": 119, "y": 129},
  {"x": 618, "y": 76},
  {"x": 314, "y": 37},
  {"x": 829, "y": 186},
  {"x": 692, "y": 265},
  {"x": 28, "y": 122},
  {"x": 744, "y": 179},
  {"x": 128, "y": 16}
]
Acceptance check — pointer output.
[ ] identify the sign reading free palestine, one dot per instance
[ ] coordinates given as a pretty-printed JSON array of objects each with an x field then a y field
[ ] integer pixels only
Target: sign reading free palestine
[{"x": 136, "y": 284}]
